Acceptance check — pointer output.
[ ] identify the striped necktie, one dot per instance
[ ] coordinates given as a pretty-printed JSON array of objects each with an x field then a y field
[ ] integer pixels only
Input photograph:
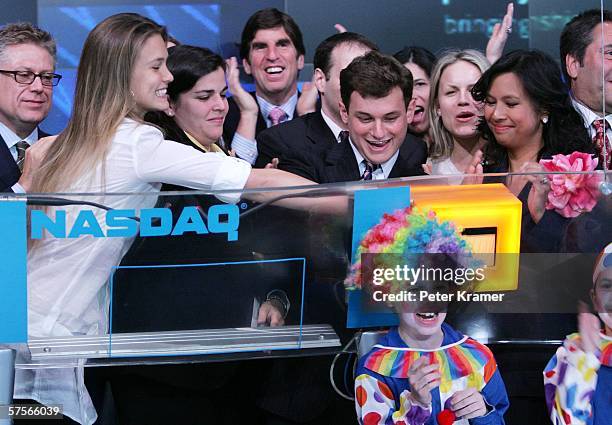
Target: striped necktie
[
  {"x": 369, "y": 170},
  {"x": 22, "y": 147}
]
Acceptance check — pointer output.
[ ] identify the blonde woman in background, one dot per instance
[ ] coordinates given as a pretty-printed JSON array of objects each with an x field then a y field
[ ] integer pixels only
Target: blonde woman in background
[{"x": 453, "y": 114}]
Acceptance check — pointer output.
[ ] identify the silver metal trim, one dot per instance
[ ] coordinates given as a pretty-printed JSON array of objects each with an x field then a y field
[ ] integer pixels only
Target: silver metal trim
[{"x": 214, "y": 341}]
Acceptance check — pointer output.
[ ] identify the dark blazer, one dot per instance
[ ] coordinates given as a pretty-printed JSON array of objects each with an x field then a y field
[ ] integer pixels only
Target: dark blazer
[
  {"x": 233, "y": 118},
  {"x": 9, "y": 172},
  {"x": 338, "y": 164},
  {"x": 308, "y": 132}
]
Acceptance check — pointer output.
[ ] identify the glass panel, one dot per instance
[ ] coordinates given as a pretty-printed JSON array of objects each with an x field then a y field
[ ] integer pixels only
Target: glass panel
[{"x": 189, "y": 275}]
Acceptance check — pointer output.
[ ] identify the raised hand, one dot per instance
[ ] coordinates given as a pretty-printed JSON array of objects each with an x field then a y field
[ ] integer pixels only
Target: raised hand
[
  {"x": 499, "y": 36},
  {"x": 307, "y": 101},
  {"x": 589, "y": 328},
  {"x": 468, "y": 404},
  {"x": 340, "y": 28},
  {"x": 247, "y": 104},
  {"x": 423, "y": 378}
]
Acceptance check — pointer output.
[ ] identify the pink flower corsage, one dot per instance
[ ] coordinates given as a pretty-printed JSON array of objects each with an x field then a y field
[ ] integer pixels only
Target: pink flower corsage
[{"x": 572, "y": 194}]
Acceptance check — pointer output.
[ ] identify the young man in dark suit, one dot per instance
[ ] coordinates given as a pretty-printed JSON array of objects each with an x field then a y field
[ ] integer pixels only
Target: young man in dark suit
[
  {"x": 376, "y": 108},
  {"x": 27, "y": 65},
  {"x": 272, "y": 51},
  {"x": 318, "y": 130}
]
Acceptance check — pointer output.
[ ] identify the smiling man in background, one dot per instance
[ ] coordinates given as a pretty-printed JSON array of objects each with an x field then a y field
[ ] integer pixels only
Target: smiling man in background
[
  {"x": 27, "y": 65},
  {"x": 586, "y": 47},
  {"x": 272, "y": 51},
  {"x": 321, "y": 129}
]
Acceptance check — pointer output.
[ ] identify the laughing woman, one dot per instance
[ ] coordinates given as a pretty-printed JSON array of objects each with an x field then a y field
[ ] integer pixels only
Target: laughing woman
[
  {"x": 107, "y": 147},
  {"x": 453, "y": 113},
  {"x": 529, "y": 116}
]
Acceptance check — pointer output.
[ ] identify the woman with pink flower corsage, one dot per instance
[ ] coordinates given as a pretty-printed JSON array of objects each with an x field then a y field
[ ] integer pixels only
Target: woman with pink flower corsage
[{"x": 529, "y": 117}]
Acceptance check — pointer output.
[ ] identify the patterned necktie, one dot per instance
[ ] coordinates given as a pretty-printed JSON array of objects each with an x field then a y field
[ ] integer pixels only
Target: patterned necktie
[
  {"x": 369, "y": 170},
  {"x": 600, "y": 140},
  {"x": 277, "y": 116},
  {"x": 343, "y": 136},
  {"x": 21, "y": 149}
]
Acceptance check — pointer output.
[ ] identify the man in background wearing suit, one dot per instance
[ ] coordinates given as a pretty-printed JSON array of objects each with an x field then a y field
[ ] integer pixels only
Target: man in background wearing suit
[
  {"x": 27, "y": 65},
  {"x": 318, "y": 130},
  {"x": 272, "y": 51},
  {"x": 581, "y": 62},
  {"x": 376, "y": 108}
]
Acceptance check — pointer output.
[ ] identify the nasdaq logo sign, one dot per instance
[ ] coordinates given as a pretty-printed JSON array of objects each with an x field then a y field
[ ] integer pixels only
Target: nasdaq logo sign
[{"x": 223, "y": 218}]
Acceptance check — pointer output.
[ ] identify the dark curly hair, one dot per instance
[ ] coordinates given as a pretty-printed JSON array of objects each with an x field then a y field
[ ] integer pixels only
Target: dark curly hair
[
  {"x": 541, "y": 79},
  {"x": 419, "y": 56}
]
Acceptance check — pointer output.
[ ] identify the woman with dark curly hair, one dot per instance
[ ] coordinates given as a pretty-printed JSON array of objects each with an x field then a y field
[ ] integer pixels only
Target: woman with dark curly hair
[
  {"x": 528, "y": 115},
  {"x": 420, "y": 63}
]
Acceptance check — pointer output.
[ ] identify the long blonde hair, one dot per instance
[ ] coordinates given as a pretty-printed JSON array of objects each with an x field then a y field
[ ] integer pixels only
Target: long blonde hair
[
  {"x": 102, "y": 100},
  {"x": 441, "y": 140}
]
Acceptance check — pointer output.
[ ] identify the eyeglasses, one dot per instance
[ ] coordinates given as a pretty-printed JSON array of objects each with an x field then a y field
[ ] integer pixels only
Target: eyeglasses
[{"x": 28, "y": 77}]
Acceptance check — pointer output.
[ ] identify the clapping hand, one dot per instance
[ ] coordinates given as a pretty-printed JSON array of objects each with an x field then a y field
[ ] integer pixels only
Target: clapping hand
[
  {"x": 468, "y": 404},
  {"x": 589, "y": 328},
  {"x": 475, "y": 169},
  {"x": 246, "y": 103},
  {"x": 423, "y": 378},
  {"x": 540, "y": 186},
  {"x": 307, "y": 101}
]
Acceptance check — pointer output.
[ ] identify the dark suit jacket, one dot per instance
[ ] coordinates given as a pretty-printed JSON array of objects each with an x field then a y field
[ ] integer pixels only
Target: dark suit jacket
[
  {"x": 306, "y": 133},
  {"x": 338, "y": 163},
  {"x": 9, "y": 172},
  {"x": 233, "y": 118}
]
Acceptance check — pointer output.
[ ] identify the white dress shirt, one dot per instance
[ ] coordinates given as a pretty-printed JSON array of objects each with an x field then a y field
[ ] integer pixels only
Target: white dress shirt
[
  {"x": 382, "y": 172},
  {"x": 335, "y": 129},
  {"x": 68, "y": 292},
  {"x": 589, "y": 116},
  {"x": 11, "y": 140}
]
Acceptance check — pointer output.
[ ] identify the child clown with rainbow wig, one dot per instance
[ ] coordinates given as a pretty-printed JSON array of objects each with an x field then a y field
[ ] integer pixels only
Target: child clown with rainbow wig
[
  {"x": 578, "y": 379},
  {"x": 424, "y": 371}
]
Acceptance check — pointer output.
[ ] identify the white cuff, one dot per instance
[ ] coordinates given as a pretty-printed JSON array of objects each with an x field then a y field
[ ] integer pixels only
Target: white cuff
[
  {"x": 245, "y": 148},
  {"x": 17, "y": 188}
]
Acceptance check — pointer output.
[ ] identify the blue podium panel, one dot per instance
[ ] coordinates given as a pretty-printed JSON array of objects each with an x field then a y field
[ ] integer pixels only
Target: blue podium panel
[{"x": 13, "y": 290}]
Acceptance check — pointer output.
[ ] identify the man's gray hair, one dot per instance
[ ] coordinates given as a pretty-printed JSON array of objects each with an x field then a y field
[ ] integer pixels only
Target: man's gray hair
[{"x": 26, "y": 33}]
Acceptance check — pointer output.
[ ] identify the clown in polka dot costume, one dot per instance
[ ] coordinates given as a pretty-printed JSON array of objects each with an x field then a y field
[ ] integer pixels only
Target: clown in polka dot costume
[
  {"x": 424, "y": 371},
  {"x": 578, "y": 379}
]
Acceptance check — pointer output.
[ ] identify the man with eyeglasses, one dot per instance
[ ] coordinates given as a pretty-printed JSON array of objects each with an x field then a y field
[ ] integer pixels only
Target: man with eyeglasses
[{"x": 27, "y": 65}]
